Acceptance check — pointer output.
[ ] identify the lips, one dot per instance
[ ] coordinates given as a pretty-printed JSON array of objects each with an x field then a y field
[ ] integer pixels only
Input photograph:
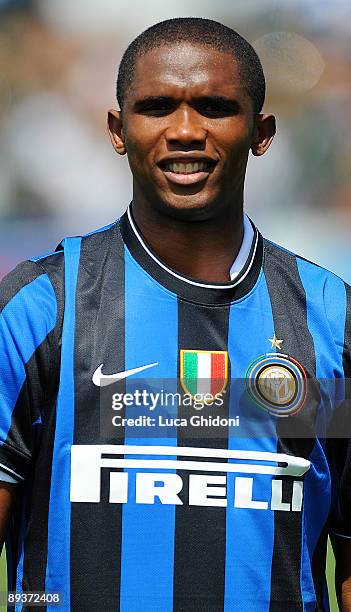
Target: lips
[{"x": 187, "y": 171}]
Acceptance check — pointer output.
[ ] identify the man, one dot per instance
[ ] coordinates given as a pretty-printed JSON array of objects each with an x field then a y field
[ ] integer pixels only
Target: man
[{"x": 182, "y": 287}]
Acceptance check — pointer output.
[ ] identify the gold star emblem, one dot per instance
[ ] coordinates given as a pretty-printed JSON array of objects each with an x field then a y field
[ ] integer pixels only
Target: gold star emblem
[{"x": 275, "y": 342}]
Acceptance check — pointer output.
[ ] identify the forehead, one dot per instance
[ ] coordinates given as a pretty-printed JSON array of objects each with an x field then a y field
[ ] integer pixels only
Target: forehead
[{"x": 183, "y": 67}]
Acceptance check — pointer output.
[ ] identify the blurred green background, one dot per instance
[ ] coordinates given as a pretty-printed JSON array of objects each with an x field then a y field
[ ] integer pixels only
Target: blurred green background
[{"x": 59, "y": 175}]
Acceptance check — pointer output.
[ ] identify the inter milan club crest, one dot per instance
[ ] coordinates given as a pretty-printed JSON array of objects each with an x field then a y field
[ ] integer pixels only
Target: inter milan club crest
[
  {"x": 277, "y": 383},
  {"x": 203, "y": 372}
]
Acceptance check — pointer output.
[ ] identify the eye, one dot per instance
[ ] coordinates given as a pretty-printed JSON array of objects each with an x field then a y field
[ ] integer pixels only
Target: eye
[
  {"x": 218, "y": 108},
  {"x": 211, "y": 106},
  {"x": 155, "y": 107},
  {"x": 210, "y": 109}
]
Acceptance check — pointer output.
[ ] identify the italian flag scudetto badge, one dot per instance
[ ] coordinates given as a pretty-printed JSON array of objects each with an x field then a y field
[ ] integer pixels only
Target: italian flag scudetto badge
[{"x": 203, "y": 371}]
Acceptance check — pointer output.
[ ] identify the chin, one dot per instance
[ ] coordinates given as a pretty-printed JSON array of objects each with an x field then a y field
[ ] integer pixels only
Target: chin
[{"x": 189, "y": 208}]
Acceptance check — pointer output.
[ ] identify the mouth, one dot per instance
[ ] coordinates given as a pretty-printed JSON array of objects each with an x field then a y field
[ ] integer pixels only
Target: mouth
[{"x": 187, "y": 172}]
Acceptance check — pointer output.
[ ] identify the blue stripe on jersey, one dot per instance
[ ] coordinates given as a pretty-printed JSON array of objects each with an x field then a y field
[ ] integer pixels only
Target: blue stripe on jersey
[
  {"x": 325, "y": 292},
  {"x": 24, "y": 323},
  {"x": 58, "y": 575},
  {"x": 250, "y": 532},
  {"x": 147, "y": 530}
]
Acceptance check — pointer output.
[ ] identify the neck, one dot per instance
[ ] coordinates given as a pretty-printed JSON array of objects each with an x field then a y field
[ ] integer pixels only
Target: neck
[{"x": 203, "y": 250}]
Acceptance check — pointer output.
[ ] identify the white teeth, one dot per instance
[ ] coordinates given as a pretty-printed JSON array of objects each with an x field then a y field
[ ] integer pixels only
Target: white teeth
[{"x": 188, "y": 168}]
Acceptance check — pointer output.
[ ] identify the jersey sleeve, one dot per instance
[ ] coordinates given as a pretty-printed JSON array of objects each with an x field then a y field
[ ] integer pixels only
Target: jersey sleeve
[
  {"x": 28, "y": 316},
  {"x": 340, "y": 443},
  {"x": 340, "y": 524}
]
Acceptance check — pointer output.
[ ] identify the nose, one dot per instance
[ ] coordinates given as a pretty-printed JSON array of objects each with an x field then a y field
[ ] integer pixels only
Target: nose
[{"x": 186, "y": 129}]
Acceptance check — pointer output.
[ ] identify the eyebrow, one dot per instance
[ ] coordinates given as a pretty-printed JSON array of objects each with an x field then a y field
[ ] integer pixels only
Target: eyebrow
[{"x": 223, "y": 101}]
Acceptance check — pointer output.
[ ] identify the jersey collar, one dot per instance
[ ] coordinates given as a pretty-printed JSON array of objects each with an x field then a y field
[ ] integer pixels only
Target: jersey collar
[
  {"x": 244, "y": 251},
  {"x": 249, "y": 260}
]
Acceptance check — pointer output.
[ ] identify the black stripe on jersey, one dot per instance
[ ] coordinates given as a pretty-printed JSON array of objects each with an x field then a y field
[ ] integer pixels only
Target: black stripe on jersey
[
  {"x": 200, "y": 532},
  {"x": 341, "y": 447},
  {"x": 99, "y": 338},
  {"x": 44, "y": 369},
  {"x": 36, "y": 542},
  {"x": 23, "y": 274},
  {"x": 318, "y": 566},
  {"x": 344, "y": 415},
  {"x": 346, "y": 358},
  {"x": 289, "y": 311},
  {"x": 34, "y": 401}
]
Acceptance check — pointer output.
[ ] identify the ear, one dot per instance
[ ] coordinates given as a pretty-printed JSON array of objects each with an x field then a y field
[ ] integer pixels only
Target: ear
[
  {"x": 263, "y": 134},
  {"x": 115, "y": 130}
]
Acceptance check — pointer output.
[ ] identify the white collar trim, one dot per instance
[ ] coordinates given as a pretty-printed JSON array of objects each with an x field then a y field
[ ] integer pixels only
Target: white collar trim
[
  {"x": 197, "y": 283},
  {"x": 244, "y": 250}
]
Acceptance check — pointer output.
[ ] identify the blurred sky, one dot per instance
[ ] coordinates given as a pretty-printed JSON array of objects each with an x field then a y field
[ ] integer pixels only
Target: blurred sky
[{"x": 59, "y": 174}]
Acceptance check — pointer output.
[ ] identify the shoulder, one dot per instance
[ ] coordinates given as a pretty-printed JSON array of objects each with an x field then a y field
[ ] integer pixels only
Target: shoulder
[
  {"x": 41, "y": 279},
  {"x": 33, "y": 278},
  {"x": 308, "y": 268},
  {"x": 50, "y": 265},
  {"x": 29, "y": 305},
  {"x": 323, "y": 288}
]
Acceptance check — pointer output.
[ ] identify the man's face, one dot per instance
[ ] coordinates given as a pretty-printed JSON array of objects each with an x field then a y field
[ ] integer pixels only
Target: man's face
[{"x": 187, "y": 125}]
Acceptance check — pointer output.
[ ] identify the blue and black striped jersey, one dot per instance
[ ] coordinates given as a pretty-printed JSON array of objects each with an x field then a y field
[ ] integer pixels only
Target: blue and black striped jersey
[{"x": 200, "y": 518}]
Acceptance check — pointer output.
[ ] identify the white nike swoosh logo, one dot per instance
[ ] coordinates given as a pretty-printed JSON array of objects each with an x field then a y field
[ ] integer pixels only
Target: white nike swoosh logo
[{"x": 102, "y": 380}]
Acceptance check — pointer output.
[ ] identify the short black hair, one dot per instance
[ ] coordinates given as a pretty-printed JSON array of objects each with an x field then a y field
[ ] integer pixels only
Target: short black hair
[{"x": 198, "y": 31}]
